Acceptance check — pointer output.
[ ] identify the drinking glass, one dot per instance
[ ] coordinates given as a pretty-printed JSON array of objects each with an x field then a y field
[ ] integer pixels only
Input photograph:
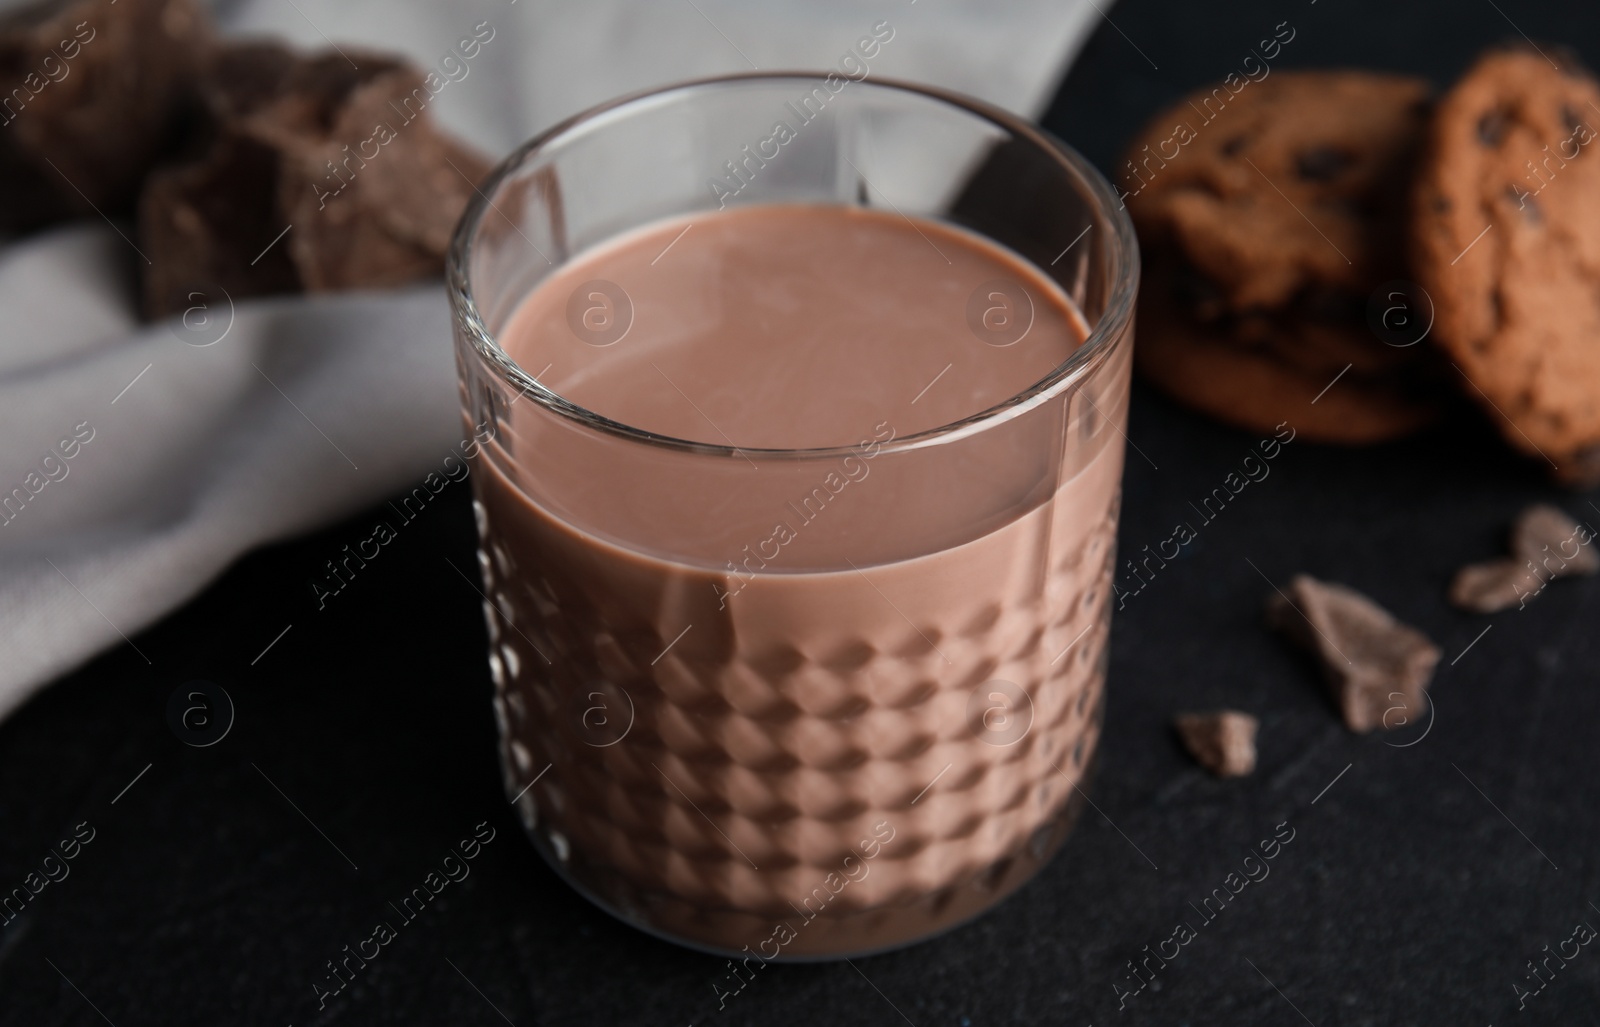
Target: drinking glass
[{"x": 889, "y": 730}]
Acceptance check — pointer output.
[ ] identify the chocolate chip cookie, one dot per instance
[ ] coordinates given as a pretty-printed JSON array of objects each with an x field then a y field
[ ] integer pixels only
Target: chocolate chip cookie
[
  {"x": 1269, "y": 213},
  {"x": 1208, "y": 369},
  {"x": 1506, "y": 237}
]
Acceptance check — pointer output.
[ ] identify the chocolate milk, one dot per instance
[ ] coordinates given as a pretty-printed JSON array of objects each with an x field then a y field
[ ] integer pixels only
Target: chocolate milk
[{"x": 798, "y": 706}]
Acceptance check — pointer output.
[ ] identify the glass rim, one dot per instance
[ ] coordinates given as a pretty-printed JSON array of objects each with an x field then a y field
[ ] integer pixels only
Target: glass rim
[{"x": 1122, "y": 251}]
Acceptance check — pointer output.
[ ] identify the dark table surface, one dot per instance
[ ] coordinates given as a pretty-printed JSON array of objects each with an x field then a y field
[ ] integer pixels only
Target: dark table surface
[{"x": 1428, "y": 866}]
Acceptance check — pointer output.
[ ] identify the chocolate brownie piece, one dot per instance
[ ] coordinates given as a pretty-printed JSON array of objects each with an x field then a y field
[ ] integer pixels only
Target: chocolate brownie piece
[
  {"x": 1268, "y": 218},
  {"x": 91, "y": 94},
  {"x": 1506, "y": 238},
  {"x": 316, "y": 173}
]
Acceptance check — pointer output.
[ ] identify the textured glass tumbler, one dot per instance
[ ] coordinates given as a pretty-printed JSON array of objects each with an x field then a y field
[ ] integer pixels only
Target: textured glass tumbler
[{"x": 853, "y": 753}]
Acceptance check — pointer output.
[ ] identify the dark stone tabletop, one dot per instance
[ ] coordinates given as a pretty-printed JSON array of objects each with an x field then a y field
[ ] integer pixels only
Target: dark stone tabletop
[{"x": 1426, "y": 868}]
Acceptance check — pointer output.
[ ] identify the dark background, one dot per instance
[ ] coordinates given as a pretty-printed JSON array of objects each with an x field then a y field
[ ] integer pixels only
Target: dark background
[{"x": 1406, "y": 897}]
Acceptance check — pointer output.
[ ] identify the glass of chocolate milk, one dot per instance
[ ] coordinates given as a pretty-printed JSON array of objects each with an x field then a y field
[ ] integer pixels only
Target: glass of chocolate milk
[{"x": 800, "y": 402}]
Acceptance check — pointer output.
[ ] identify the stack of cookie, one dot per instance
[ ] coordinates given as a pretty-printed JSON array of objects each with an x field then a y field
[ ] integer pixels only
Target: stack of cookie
[{"x": 1335, "y": 250}]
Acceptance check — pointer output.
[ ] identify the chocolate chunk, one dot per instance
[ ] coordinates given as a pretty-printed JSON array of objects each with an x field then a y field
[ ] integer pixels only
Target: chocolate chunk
[
  {"x": 198, "y": 223},
  {"x": 1554, "y": 543},
  {"x": 1532, "y": 213},
  {"x": 1222, "y": 741},
  {"x": 1494, "y": 585},
  {"x": 1581, "y": 470},
  {"x": 1198, "y": 293},
  {"x": 1323, "y": 164},
  {"x": 1232, "y": 147},
  {"x": 91, "y": 94},
  {"x": 346, "y": 155},
  {"x": 1545, "y": 544},
  {"x": 1373, "y": 663},
  {"x": 380, "y": 195},
  {"x": 1333, "y": 305},
  {"x": 1492, "y": 128},
  {"x": 242, "y": 78}
]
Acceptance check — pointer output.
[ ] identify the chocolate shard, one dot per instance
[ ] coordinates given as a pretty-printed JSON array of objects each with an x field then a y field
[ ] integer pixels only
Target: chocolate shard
[
  {"x": 1377, "y": 668},
  {"x": 1554, "y": 543},
  {"x": 91, "y": 94},
  {"x": 1222, "y": 741},
  {"x": 342, "y": 149},
  {"x": 1493, "y": 585},
  {"x": 1545, "y": 544}
]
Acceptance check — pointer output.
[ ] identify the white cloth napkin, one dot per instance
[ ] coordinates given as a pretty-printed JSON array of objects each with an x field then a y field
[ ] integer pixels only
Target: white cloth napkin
[{"x": 138, "y": 465}]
